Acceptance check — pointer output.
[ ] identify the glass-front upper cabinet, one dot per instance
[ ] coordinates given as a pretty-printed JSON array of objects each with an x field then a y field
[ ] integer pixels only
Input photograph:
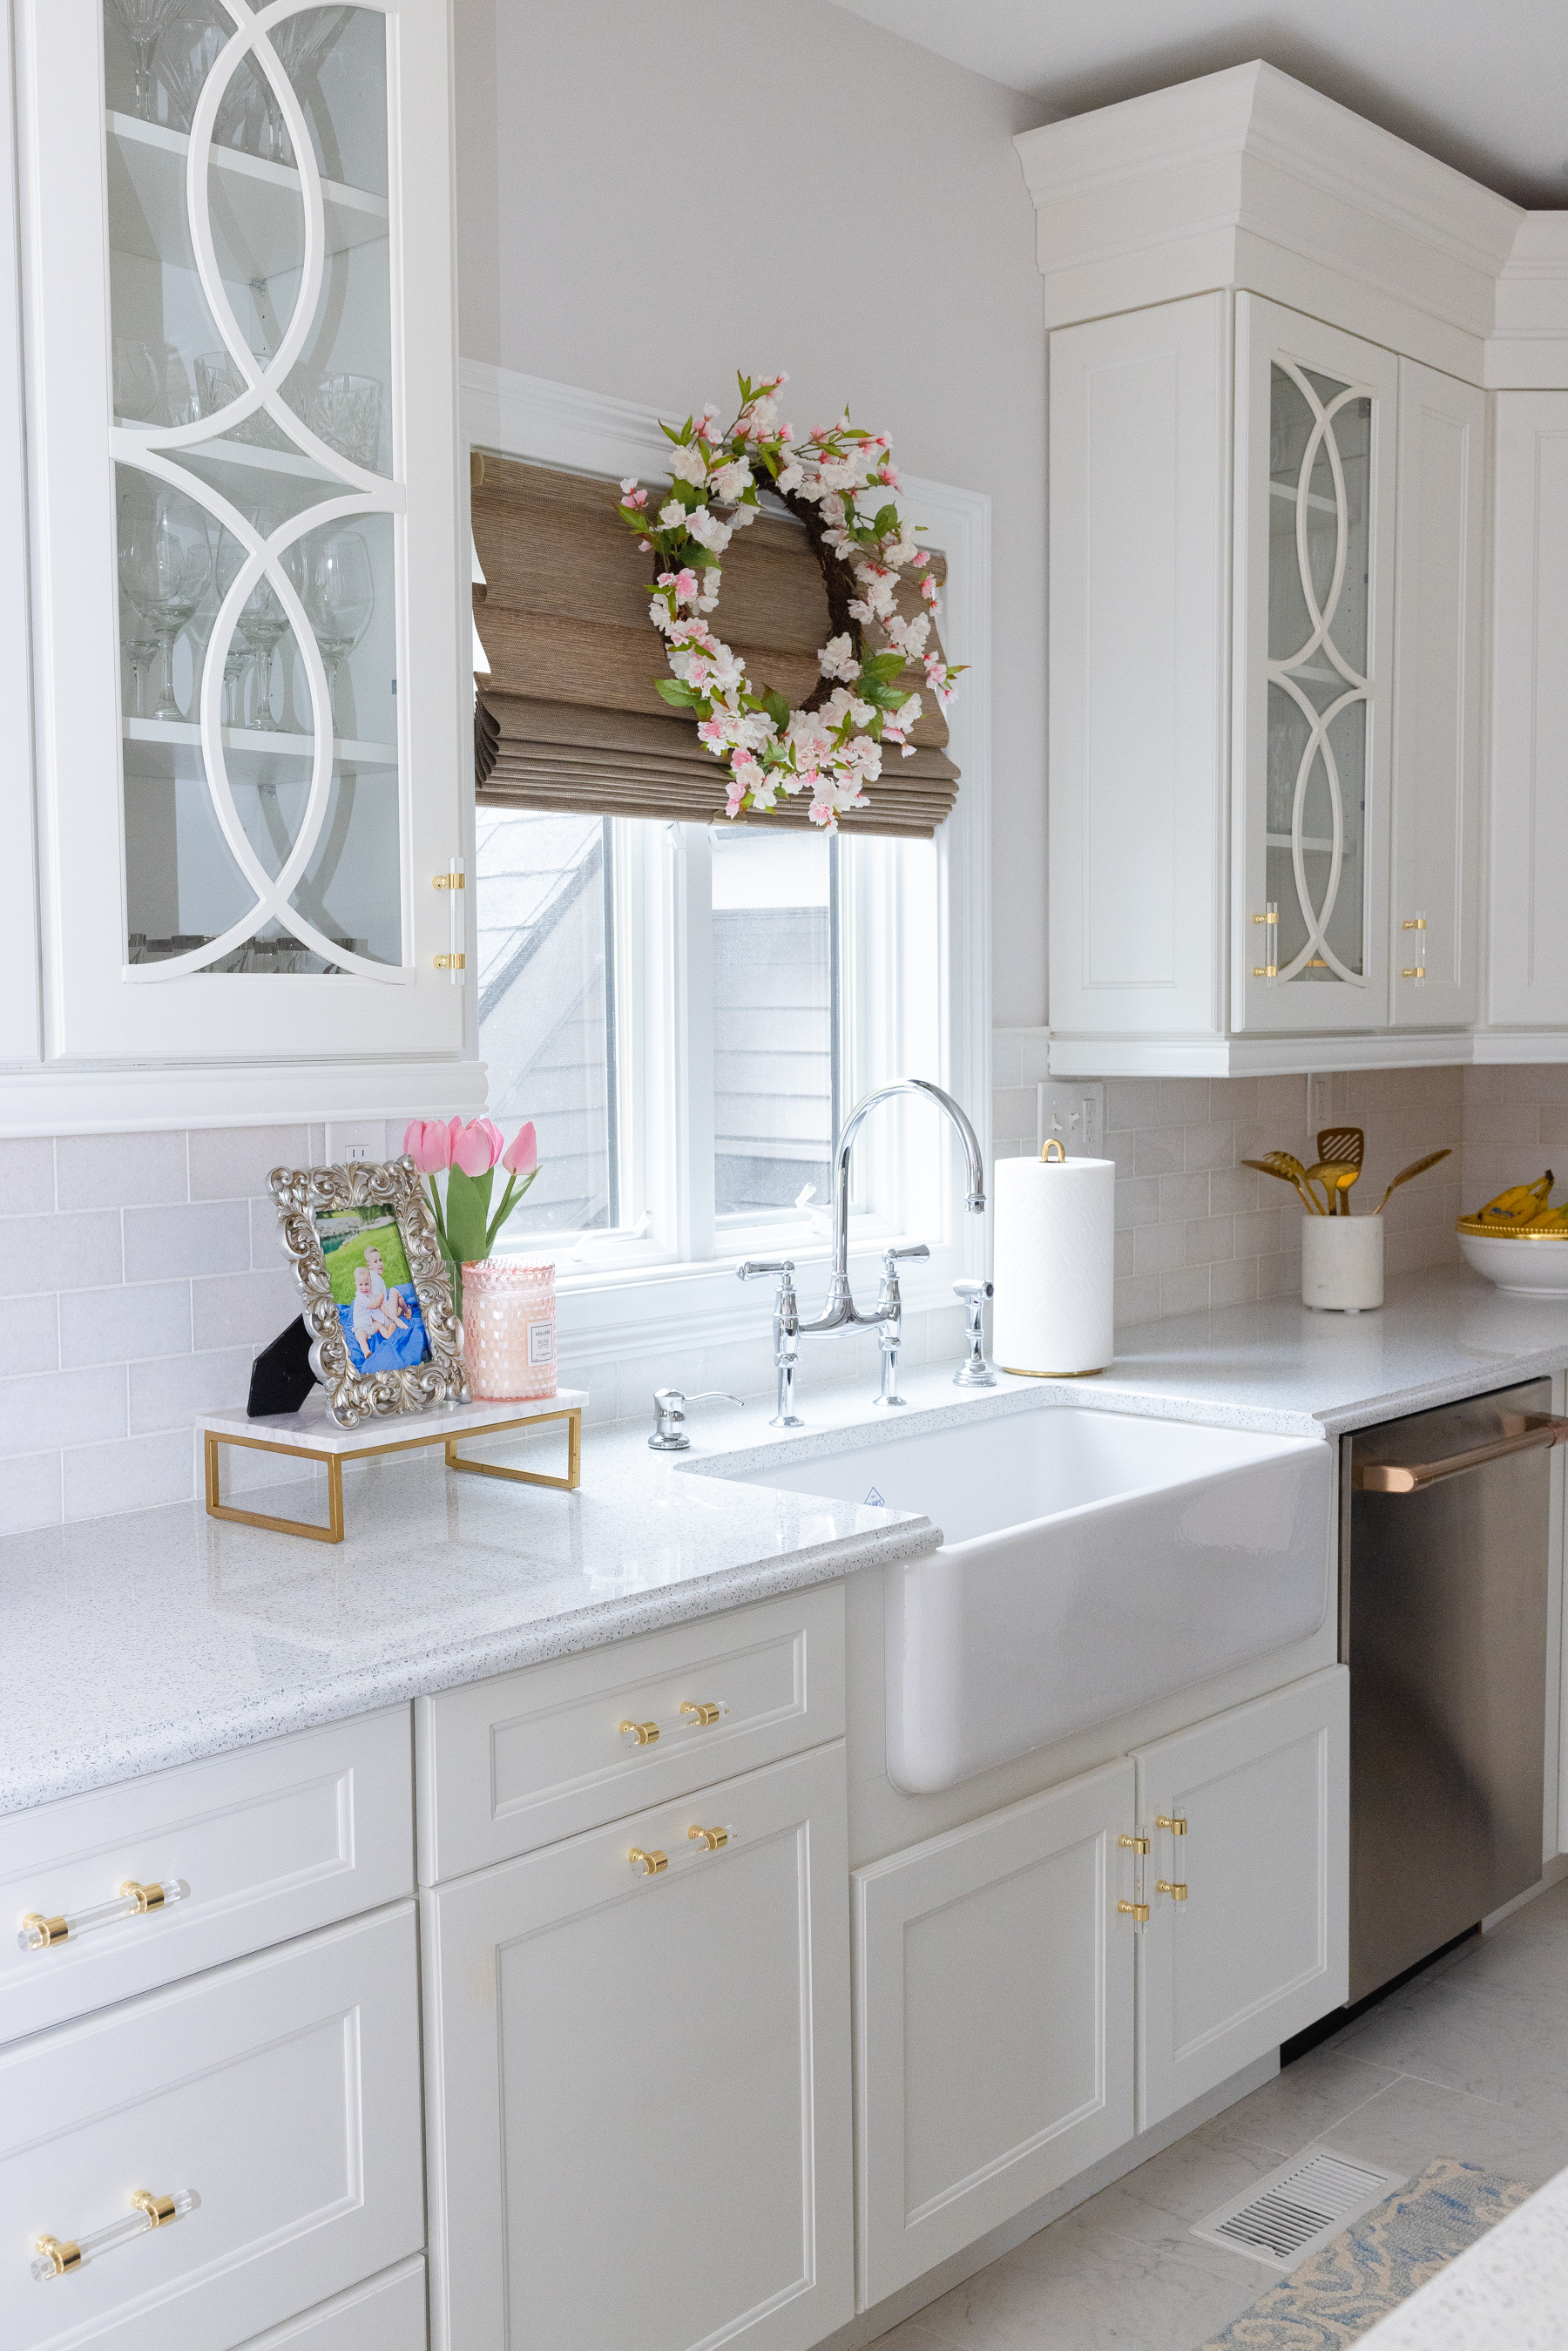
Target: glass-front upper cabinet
[
  {"x": 1315, "y": 514},
  {"x": 251, "y": 636}
]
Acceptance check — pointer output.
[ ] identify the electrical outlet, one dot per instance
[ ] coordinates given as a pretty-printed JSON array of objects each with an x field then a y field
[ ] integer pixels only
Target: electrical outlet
[
  {"x": 1073, "y": 1110},
  {"x": 1320, "y": 1100}
]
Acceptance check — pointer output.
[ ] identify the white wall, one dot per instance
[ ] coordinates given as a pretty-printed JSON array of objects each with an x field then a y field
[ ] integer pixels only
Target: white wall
[{"x": 651, "y": 195}]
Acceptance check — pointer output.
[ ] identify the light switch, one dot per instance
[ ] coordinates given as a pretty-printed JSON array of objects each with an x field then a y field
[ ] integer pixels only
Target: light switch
[{"x": 1073, "y": 1110}]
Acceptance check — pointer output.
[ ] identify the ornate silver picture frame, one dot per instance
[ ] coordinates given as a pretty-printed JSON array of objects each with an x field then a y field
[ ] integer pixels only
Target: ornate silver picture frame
[{"x": 316, "y": 1205}]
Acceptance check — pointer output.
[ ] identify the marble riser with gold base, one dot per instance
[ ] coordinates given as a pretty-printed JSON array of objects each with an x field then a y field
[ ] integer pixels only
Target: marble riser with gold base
[{"x": 312, "y": 1435}]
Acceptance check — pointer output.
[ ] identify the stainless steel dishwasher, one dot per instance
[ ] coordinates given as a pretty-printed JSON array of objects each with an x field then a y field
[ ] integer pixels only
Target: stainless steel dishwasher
[{"x": 1443, "y": 1604}]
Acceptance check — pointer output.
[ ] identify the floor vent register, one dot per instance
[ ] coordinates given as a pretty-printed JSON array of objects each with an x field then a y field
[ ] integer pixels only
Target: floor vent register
[{"x": 1295, "y": 2210}]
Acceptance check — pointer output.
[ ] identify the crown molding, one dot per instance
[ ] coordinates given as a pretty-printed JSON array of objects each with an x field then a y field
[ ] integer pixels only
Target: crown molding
[{"x": 85, "y": 1099}]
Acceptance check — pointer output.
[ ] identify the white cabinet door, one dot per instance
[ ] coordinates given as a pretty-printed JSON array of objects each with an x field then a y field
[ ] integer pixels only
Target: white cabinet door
[
  {"x": 1528, "y": 950},
  {"x": 1315, "y": 430},
  {"x": 994, "y": 2021},
  {"x": 1140, "y": 434},
  {"x": 1434, "y": 897},
  {"x": 1258, "y": 1946},
  {"x": 250, "y": 645},
  {"x": 638, "y": 2086}
]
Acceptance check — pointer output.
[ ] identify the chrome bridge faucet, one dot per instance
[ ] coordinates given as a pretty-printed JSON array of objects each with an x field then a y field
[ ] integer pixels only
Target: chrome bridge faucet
[{"x": 840, "y": 1312}]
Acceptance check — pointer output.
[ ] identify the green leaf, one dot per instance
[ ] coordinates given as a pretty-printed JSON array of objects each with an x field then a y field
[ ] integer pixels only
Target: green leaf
[
  {"x": 886, "y": 520},
  {"x": 469, "y": 1213},
  {"x": 776, "y": 707},
  {"x": 677, "y": 692}
]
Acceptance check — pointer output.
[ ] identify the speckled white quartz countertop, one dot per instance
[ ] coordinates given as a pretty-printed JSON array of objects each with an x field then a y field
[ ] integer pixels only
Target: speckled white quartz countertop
[{"x": 135, "y": 1642}]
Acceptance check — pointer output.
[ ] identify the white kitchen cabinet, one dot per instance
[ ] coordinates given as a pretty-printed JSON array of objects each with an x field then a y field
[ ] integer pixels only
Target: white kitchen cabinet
[
  {"x": 247, "y": 598},
  {"x": 994, "y": 2021},
  {"x": 1435, "y": 891},
  {"x": 1249, "y": 1815},
  {"x": 637, "y": 2084},
  {"x": 1528, "y": 951},
  {"x": 284, "y": 2091},
  {"x": 386, "y": 2314}
]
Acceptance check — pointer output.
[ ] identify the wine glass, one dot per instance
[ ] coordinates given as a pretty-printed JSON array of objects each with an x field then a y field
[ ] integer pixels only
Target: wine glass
[
  {"x": 138, "y": 381},
  {"x": 165, "y": 562},
  {"x": 227, "y": 566},
  {"x": 140, "y": 646},
  {"x": 340, "y": 598},
  {"x": 144, "y": 24},
  {"x": 187, "y": 54},
  {"x": 262, "y": 624}
]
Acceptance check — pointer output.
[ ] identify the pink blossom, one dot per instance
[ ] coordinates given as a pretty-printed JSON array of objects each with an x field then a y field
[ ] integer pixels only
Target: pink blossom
[
  {"x": 476, "y": 1146},
  {"x": 428, "y": 1144},
  {"x": 521, "y": 1155},
  {"x": 684, "y": 584}
]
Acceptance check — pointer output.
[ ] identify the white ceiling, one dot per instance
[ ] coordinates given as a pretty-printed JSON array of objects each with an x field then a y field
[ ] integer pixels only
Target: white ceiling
[{"x": 1481, "y": 83}]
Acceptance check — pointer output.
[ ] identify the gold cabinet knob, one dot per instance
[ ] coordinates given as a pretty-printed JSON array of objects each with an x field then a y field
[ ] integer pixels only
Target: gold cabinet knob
[
  {"x": 1138, "y": 1911},
  {"x": 1174, "y": 1822},
  {"x": 648, "y": 1865},
  {"x": 701, "y": 1713},
  {"x": 640, "y": 1734},
  {"x": 62, "y": 2253},
  {"x": 40, "y": 1934},
  {"x": 714, "y": 1840},
  {"x": 160, "y": 2210}
]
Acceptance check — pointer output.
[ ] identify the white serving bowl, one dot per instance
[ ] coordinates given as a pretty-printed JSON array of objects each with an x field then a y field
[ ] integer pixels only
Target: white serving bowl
[{"x": 1526, "y": 1266}]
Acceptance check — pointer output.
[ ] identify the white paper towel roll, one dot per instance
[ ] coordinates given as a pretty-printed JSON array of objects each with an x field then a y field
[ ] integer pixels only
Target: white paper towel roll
[{"x": 1055, "y": 1265}]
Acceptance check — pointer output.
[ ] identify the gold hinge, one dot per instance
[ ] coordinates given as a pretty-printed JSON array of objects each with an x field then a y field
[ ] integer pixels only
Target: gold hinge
[
  {"x": 450, "y": 881},
  {"x": 1271, "y": 916},
  {"x": 1134, "y": 1844},
  {"x": 1176, "y": 1892},
  {"x": 1419, "y": 925},
  {"x": 450, "y": 962},
  {"x": 1414, "y": 971},
  {"x": 1138, "y": 1911},
  {"x": 1174, "y": 1822}
]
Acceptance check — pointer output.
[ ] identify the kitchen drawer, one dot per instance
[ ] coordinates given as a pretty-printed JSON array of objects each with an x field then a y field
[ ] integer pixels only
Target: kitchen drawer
[
  {"x": 513, "y": 1763},
  {"x": 385, "y": 2314},
  {"x": 283, "y": 2090},
  {"x": 272, "y": 1841}
]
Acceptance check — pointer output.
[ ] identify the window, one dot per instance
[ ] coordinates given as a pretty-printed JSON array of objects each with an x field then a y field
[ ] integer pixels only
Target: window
[{"x": 686, "y": 1012}]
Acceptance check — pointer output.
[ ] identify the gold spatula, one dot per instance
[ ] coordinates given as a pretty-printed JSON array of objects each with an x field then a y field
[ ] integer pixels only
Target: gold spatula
[
  {"x": 1417, "y": 1167},
  {"x": 1289, "y": 1170},
  {"x": 1346, "y": 1147}
]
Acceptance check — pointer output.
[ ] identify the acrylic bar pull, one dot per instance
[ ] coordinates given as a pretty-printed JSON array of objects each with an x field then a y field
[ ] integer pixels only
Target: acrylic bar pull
[
  {"x": 59, "y": 2256},
  {"x": 694, "y": 1714},
  {"x": 700, "y": 1842},
  {"x": 133, "y": 1901}
]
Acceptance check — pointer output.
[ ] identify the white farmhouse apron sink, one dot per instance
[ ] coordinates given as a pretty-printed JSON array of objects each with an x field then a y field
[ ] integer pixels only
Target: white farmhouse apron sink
[{"x": 1090, "y": 1562}]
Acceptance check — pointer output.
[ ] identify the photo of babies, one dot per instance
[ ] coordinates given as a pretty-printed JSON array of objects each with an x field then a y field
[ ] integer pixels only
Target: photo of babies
[{"x": 375, "y": 1299}]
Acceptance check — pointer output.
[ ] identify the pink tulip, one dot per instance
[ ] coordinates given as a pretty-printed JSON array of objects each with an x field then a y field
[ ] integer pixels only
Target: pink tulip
[
  {"x": 429, "y": 1145},
  {"x": 476, "y": 1146},
  {"x": 521, "y": 1155}
]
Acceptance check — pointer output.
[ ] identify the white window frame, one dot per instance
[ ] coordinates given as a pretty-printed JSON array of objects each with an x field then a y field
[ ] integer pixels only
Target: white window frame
[{"x": 665, "y": 1287}]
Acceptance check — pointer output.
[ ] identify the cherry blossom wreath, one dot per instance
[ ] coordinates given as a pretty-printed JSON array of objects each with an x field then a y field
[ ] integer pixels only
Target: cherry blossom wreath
[{"x": 833, "y": 746}]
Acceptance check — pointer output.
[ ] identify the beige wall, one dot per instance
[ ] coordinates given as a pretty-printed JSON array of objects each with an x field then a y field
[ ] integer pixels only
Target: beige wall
[{"x": 651, "y": 195}]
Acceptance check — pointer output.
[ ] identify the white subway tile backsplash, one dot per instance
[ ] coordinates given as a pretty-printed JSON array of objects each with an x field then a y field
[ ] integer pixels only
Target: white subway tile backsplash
[
  {"x": 233, "y": 1163},
  {"x": 26, "y": 1176},
  {"x": 30, "y": 1494},
  {"x": 40, "y": 1409},
  {"x": 131, "y": 1474},
  {"x": 29, "y": 1334},
  {"x": 199, "y": 1236},
  {"x": 118, "y": 1171},
  {"x": 118, "y": 1326},
  {"x": 170, "y": 1392},
  {"x": 1184, "y": 1290},
  {"x": 232, "y": 1310},
  {"x": 60, "y": 1252}
]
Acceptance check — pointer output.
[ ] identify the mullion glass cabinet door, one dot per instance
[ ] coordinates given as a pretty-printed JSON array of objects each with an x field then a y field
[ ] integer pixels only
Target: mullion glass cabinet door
[
  {"x": 1315, "y": 458},
  {"x": 267, "y": 397}
]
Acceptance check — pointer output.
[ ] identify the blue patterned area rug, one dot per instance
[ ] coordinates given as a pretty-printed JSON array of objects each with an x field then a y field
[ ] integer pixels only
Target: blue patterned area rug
[{"x": 1370, "y": 2268}]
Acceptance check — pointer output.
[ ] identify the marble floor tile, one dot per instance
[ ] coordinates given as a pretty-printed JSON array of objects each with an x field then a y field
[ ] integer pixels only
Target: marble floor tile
[
  {"x": 1411, "y": 2121},
  {"x": 1082, "y": 2289}
]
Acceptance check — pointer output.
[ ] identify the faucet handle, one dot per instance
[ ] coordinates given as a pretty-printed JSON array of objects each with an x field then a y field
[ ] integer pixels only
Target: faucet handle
[
  {"x": 891, "y": 1257},
  {"x": 974, "y": 1371},
  {"x": 784, "y": 1266},
  {"x": 670, "y": 1412}
]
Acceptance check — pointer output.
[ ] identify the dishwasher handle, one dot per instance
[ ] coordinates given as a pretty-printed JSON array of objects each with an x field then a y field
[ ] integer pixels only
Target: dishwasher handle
[{"x": 1539, "y": 1429}]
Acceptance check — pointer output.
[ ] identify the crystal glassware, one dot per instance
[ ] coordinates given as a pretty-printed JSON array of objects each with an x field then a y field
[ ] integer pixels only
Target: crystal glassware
[
  {"x": 347, "y": 413},
  {"x": 227, "y": 566},
  {"x": 186, "y": 55},
  {"x": 144, "y": 23},
  {"x": 508, "y": 1331},
  {"x": 263, "y": 624},
  {"x": 219, "y": 382},
  {"x": 140, "y": 644},
  {"x": 249, "y": 116},
  {"x": 138, "y": 381},
  {"x": 340, "y": 598},
  {"x": 165, "y": 562}
]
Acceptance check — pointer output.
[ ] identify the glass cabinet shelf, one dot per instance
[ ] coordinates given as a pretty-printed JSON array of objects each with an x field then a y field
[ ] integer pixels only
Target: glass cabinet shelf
[
  {"x": 271, "y": 743},
  {"x": 256, "y": 219}
]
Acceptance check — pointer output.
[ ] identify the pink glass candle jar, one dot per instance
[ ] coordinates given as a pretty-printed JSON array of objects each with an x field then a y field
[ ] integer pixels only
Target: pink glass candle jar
[{"x": 508, "y": 1331}]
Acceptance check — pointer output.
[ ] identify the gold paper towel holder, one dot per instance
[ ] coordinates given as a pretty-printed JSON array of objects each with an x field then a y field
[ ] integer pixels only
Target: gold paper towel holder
[{"x": 1054, "y": 1155}]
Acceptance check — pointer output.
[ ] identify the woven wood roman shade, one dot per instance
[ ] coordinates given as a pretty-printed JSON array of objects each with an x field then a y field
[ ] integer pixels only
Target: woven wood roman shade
[{"x": 569, "y": 718}]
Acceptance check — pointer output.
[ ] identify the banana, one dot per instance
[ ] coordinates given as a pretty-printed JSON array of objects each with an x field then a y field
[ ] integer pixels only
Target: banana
[{"x": 1522, "y": 1202}]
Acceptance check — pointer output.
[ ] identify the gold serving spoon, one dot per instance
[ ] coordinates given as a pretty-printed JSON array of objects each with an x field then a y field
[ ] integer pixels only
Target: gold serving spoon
[
  {"x": 1289, "y": 1170},
  {"x": 1336, "y": 1176},
  {"x": 1346, "y": 1146},
  {"x": 1417, "y": 1167}
]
